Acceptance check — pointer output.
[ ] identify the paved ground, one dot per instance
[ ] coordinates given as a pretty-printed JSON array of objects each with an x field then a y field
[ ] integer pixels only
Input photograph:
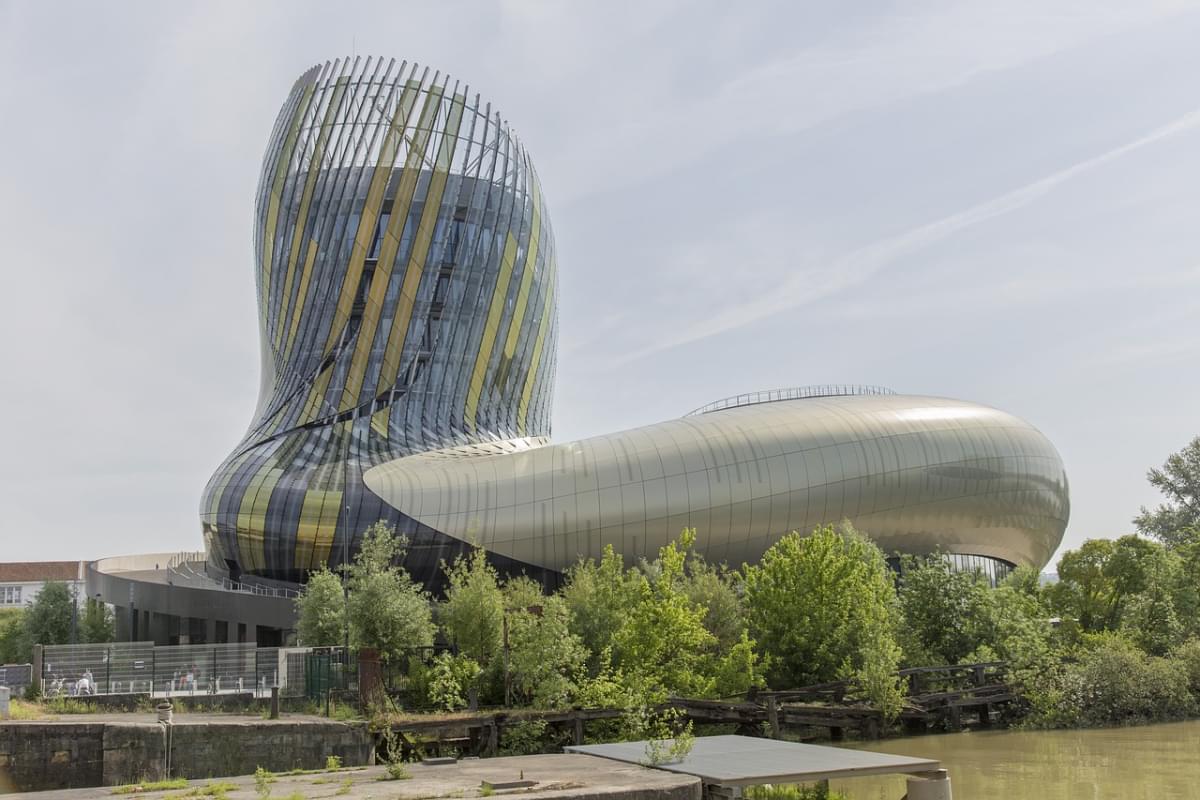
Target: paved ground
[{"x": 556, "y": 776}]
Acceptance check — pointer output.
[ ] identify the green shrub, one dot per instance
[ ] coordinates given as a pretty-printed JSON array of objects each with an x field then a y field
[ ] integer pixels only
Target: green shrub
[
  {"x": 1114, "y": 683},
  {"x": 526, "y": 737}
]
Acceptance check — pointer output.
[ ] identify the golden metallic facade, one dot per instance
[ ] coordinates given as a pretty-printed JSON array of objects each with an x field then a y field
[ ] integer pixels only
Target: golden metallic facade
[{"x": 917, "y": 474}]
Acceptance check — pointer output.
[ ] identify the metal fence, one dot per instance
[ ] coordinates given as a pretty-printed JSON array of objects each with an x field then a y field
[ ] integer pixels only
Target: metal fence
[
  {"x": 16, "y": 676},
  {"x": 172, "y": 671}
]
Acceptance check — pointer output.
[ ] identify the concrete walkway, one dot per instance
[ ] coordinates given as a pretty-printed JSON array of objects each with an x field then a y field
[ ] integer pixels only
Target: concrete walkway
[{"x": 557, "y": 776}]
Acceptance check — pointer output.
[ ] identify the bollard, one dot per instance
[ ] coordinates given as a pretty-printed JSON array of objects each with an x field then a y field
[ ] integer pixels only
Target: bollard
[
  {"x": 164, "y": 712},
  {"x": 5, "y": 693},
  {"x": 274, "y": 702},
  {"x": 930, "y": 786}
]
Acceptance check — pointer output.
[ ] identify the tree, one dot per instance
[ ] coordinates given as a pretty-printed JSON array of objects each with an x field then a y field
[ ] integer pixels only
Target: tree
[
  {"x": 1176, "y": 521},
  {"x": 472, "y": 614},
  {"x": 387, "y": 610},
  {"x": 816, "y": 602},
  {"x": 945, "y": 611},
  {"x": 599, "y": 597},
  {"x": 48, "y": 618},
  {"x": 97, "y": 625},
  {"x": 663, "y": 644},
  {"x": 715, "y": 589},
  {"x": 544, "y": 656},
  {"x": 1150, "y": 619},
  {"x": 14, "y": 640},
  {"x": 1095, "y": 581},
  {"x": 321, "y": 610}
]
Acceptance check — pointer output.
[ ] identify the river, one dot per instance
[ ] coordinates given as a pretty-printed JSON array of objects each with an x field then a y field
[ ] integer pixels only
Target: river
[{"x": 1150, "y": 762}]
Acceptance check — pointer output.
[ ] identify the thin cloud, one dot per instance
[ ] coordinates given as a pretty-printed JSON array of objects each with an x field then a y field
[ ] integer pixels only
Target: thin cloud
[{"x": 858, "y": 266}]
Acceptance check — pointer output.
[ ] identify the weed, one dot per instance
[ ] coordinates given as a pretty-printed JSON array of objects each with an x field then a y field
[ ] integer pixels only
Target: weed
[
  {"x": 343, "y": 712},
  {"x": 68, "y": 705},
  {"x": 151, "y": 786},
  {"x": 345, "y": 787},
  {"x": 263, "y": 779},
  {"x": 396, "y": 771},
  {"x": 21, "y": 709},
  {"x": 216, "y": 790},
  {"x": 486, "y": 790},
  {"x": 333, "y": 763}
]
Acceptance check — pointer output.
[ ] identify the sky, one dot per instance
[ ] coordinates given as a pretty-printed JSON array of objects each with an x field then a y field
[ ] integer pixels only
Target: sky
[{"x": 995, "y": 202}]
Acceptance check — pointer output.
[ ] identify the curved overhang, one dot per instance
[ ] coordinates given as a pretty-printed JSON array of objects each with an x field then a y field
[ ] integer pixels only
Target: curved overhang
[{"x": 917, "y": 474}]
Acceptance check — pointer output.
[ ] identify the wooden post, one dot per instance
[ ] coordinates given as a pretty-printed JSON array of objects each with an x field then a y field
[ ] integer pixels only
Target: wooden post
[
  {"x": 773, "y": 716},
  {"x": 493, "y": 745},
  {"x": 955, "y": 717},
  {"x": 578, "y": 728},
  {"x": 978, "y": 674}
]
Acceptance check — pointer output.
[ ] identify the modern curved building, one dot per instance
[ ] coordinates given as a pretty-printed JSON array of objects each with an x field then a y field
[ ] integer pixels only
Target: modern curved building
[{"x": 407, "y": 297}]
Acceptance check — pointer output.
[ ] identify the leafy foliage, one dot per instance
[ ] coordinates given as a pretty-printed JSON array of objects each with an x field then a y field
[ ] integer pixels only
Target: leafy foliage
[
  {"x": 97, "y": 624},
  {"x": 663, "y": 644},
  {"x": 450, "y": 677},
  {"x": 321, "y": 610},
  {"x": 1176, "y": 521},
  {"x": 544, "y": 655},
  {"x": 598, "y": 597},
  {"x": 15, "y": 647},
  {"x": 946, "y": 611},
  {"x": 717, "y": 591},
  {"x": 816, "y": 603},
  {"x": 1115, "y": 683},
  {"x": 387, "y": 610},
  {"x": 473, "y": 612},
  {"x": 47, "y": 619}
]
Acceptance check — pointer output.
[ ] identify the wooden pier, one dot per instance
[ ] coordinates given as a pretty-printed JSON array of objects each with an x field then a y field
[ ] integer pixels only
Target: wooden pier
[{"x": 938, "y": 698}]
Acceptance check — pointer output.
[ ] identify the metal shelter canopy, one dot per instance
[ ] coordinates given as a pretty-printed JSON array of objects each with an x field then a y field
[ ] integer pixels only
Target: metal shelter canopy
[{"x": 747, "y": 761}]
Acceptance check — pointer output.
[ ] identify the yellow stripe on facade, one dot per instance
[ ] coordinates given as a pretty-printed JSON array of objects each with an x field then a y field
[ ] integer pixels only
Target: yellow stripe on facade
[
  {"x": 305, "y": 274},
  {"x": 282, "y": 167},
  {"x": 495, "y": 309},
  {"x": 251, "y": 555},
  {"x": 327, "y": 526},
  {"x": 367, "y": 225},
  {"x": 275, "y": 197},
  {"x": 350, "y": 281},
  {"x": 310, "y": 185},
  {"x": 390, "y": 246},
  {"x": 229, "y": 472},
  {"x": 536, "y": 359},
  {"x": 252, "y": 515},
  {"x": 518, "y": 315},
  {"x": 306, "y": 529},
  {"x": 420, "y": 249},
  {"x": 379, "y": 422}
]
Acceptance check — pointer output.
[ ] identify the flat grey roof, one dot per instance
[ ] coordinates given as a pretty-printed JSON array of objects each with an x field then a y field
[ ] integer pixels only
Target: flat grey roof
[{"x": 747, "y": 761}]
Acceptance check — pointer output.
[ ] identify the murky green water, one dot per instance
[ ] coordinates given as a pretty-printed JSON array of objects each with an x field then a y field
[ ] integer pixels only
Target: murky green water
[{"x": 1152, "y": 762}]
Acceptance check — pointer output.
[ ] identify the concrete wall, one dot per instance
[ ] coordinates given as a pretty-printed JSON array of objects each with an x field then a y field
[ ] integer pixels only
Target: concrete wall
[{"x": 36, "y": 756}]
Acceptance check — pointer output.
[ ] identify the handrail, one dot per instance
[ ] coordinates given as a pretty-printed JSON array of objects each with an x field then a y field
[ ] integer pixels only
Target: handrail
[{"x": 793, "y": 393}]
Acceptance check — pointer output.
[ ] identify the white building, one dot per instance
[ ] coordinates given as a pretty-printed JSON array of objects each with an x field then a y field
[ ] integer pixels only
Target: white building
[{"x": 21, "y": 581}]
